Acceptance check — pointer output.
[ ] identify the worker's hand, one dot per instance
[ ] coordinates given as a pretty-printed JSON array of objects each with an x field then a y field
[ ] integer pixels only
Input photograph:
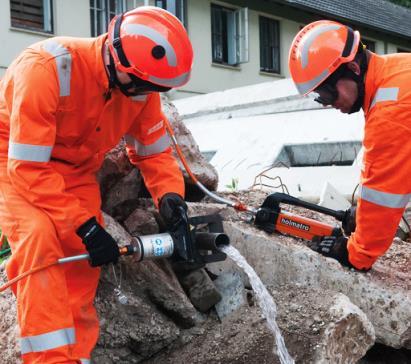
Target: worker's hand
[
  {"x": 333, "y": 247},
  {"x": 348, "y": 222},
  {"x": 169, "y": 208},
  {"x": 100, "y": 245}
]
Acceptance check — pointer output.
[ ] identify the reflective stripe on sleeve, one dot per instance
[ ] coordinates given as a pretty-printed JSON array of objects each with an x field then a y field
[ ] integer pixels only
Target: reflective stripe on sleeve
[
  {"x": 160, "y": 145},
  {"x": 385, "y": 94},
  {"x": 50, "y": 340},
  {"x": 29, "y": 152},
  {"x": 63, "y": 64},
  {"x": 85, "y": 361},
  {"x": 385, "y": 199},
  {"x": 139, "y": 98}
]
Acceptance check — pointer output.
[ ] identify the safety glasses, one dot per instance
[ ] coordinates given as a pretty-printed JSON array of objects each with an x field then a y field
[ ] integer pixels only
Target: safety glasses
[
  {"x": 327, "y": 94},
  {"x": 140, "y": 86},
  {"x": 327, "y": 91}
]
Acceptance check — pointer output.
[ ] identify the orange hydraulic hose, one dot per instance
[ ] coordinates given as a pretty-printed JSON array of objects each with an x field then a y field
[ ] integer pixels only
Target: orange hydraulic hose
[
  {"x": 25, "y": 274},
  {"x": 125, "y": 250},
  {"x": 239, "y": 206}
]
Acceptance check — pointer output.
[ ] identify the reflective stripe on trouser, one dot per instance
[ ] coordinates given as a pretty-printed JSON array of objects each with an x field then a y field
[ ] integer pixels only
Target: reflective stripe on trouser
[
  {"x": 60, "y": 297},
  {"x": 47, "y": 341}
]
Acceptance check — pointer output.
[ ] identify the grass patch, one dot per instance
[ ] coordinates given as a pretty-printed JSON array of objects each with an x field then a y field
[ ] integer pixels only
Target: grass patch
[{"x": 4, "y": 248}]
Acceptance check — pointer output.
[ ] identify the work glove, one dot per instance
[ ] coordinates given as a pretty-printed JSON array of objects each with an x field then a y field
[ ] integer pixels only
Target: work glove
[
  {"x": 100, "y": 245},
  {"x": 348, "y": 222},
  {"x": 333, "y": 247},
  {"x": 170, "y": 208}
]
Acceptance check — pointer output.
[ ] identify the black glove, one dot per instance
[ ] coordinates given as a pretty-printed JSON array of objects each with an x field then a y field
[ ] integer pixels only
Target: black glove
[
  {"x": 100, "y": 245},
  {"x": 169, "y": 208},
  {"x": 348, "y": 222},
  {"x": 333, "y": 247}
]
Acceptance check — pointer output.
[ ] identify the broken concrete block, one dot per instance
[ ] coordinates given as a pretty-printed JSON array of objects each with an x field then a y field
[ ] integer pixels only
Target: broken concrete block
[
  {"x": 141, "y": 222},
  {"x": 200, "y": 289},
  {"x": 348, "y": 335},
  {"x": 122, "y": 198},
  {"x": 383, "y": 294},
  {"x": 231, "y": 288},
  {"x": 314, "y": 324}
]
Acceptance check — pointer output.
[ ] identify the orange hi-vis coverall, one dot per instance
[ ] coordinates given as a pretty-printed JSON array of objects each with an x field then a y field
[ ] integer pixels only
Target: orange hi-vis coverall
[
  {"x": 385, "y": 177},
  {"x": 56, "y": 124}
]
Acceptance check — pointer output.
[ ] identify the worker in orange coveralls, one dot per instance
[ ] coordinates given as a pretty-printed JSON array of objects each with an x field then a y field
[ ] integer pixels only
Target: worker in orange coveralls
[
  {"x": 65, "y": 102},
  {"x": 328, "y": 58}
]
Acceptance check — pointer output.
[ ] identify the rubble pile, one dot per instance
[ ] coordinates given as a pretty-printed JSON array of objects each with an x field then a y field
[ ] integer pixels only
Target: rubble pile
[{"x": 149, "y": 313}]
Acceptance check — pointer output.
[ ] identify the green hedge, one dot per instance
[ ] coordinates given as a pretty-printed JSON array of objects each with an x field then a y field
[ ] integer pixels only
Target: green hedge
[{"x": 405, "y": 3}]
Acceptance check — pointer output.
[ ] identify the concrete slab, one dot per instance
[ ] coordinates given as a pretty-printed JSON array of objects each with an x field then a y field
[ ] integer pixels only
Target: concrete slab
[
  {"x": 231, "y": 288},
  {"x": 383, "y": 294}
]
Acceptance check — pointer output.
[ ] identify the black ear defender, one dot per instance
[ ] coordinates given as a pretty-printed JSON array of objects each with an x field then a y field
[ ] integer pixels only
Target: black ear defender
[{"x": 158, "y": 52}]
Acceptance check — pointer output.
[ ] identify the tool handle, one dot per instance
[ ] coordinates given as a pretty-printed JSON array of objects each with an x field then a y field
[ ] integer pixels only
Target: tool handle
[
  {"x": 279, "y": 197},
  {"x": 125, "y": 250}
]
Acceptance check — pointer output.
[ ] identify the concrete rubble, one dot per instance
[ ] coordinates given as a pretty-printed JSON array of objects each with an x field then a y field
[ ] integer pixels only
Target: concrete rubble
[
  {"x": 326, "y": 313},
  {"x": 383, "y": 294},
  {"x": 159, "y": 324}
]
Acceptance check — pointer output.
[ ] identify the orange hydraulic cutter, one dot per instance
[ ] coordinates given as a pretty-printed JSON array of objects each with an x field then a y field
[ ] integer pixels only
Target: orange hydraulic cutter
[{"x": 272, "y": 218}]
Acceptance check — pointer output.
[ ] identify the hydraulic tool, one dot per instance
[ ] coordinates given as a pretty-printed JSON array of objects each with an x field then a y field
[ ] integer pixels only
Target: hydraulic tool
[
  {"x": 191, "y": 243},
  {"x": 271, "y": 217}
]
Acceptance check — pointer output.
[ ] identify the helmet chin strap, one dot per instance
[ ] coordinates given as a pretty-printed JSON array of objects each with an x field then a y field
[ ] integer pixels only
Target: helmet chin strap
[
  {"x": 360, "y": 98},
  {"x": 140, "y": 86},
  {"x": 114, "y": 81},
  {"x": 359, "y": 79}
]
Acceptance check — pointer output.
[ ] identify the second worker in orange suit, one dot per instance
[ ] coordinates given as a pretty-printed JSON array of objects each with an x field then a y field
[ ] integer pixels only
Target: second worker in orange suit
[{"x": 328, "y": 58}]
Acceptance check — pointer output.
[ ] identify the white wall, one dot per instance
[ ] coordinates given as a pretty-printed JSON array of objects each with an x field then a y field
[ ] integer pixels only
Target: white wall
[{"x": 70, "y": 18}]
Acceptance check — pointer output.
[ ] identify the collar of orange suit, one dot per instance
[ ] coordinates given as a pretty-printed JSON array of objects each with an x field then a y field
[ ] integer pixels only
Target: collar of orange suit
[
  {"x": 101, "y": 73},
  {"x": 374, "y": 63}
]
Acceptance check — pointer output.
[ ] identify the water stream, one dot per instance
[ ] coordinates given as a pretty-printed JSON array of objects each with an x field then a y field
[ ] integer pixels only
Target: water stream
[{"x": 265, "y": 301}]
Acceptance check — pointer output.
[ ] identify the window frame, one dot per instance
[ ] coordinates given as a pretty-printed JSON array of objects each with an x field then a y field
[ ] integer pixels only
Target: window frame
[
  {"x": 102, "y": 9},
  {"x": 369, "y": 42},
  {"x": 229, "y": 35},
  {"x": 47, "y": 15},
  {"x": 180, "y": 7},
  {"x": 271, "y": 43},
  {"x": 219, "y": 33}
]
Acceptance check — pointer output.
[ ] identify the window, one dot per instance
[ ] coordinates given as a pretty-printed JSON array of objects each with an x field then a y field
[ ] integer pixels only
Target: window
[
  {"x": 229, "y": 29},
  {"x": 269, "y": 45},
  {"x": 370, "y": 44},
  {"x": 176, "y": 7},
  {"x": 32, "y": 14},
  {"x": 101, "y": 12}
]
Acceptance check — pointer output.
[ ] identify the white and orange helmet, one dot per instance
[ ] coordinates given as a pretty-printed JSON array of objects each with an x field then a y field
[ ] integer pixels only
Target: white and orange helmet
[
  {"x": 318, "y": 50},
  {"x": 151, "y": 44}
]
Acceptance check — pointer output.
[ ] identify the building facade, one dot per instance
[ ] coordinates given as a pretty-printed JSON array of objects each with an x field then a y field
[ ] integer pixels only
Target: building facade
[{"x": 236, "y": 42}]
